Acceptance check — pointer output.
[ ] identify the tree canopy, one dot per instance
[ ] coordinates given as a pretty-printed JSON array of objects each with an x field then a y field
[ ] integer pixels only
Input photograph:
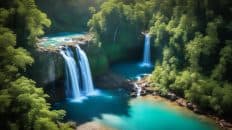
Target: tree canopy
[
  {"x": 23, "y": 105},
  {"x": 192, "y": 44},
  {"x": 196, "y": 51}
]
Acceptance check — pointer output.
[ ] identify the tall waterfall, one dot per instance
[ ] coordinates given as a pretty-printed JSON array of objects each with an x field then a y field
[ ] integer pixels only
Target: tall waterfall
[
  {"x": 86, "y": 76},
  {"x": 147, "y": 51},
  {"x": 72, "y": 78}
]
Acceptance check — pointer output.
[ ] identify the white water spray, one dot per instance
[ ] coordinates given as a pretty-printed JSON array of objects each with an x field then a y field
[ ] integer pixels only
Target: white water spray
[
  {"x": 147, "y": 51},
  {"x": 72, "y": 77},
  {"x": 86, "y": 76}
]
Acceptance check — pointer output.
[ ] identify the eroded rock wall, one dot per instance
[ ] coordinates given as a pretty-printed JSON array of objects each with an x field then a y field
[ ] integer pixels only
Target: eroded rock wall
[{"x": 49, "y": 66}]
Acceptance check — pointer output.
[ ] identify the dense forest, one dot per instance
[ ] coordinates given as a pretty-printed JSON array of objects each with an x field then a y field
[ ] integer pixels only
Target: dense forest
[
  {"x": 79, "y": 12},
  {"x": 23, "y": 105},
  {"x": 191, "y": 43}
]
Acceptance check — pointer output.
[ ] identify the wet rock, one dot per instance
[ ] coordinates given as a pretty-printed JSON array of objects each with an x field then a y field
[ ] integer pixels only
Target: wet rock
[
  {"x": 155, "y": 94},
  {"x": 133, "y": 94},
  {"x": 143, "y": 93},
  {"x": 134, "y": 89},
  {"x": 146, "y": 85},
  {"x": 198, "y": 111},
  {"x": 171, "y": 96},
  {"x": 223, "y": 123},
  {"x": 149, "y": 90},
  {"x": 181, "y": 102},
  {"x": 142, "y": 84},
  {"x": 111, "y": 80},
  {"x": 51, "y": 67},
  {"x": 190, "y": 106}
]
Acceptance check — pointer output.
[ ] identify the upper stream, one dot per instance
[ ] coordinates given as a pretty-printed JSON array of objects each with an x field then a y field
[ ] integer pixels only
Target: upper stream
[{"x": 57, "y": 39}]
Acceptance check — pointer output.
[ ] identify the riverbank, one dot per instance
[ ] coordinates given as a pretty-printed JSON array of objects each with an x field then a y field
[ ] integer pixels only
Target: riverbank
[
  {"x": 93, "y": 126},
  {"x": 147, "y": 90}
]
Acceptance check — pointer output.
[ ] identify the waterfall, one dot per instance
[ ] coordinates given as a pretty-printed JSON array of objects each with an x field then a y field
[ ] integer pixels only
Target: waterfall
[
  {"x": 86, "y": 76},
  {"x": 78, "y": 78},
  {"x": 139, "y": 89},
  {"x": 71, "y": 76},
  {"x": 147, "y": 53}
]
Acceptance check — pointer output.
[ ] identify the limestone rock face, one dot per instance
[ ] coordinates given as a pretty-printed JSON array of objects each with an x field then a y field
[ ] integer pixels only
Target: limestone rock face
[
  {"x": 112, "y": 81},
  {"x": 49, "y": 65},
  {"x": 47, "y": 68}
]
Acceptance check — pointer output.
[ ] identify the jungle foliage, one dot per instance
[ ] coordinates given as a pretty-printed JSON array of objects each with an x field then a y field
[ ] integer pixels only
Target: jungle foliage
[
  {"x": 23, "y": 105},
  {"x": 118, "y": 25},
  {"x": 196, "y": 59},
  {"x": 69, "y": 15},
  {"x": 192, "y": 40}
]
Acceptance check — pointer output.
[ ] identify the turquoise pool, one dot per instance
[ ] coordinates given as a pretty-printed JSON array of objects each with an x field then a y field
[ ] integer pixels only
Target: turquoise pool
[{"x": 117, "y": 110}]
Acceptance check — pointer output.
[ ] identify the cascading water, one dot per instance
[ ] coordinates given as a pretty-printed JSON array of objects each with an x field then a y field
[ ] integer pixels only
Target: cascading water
[
  {"x": 72, "y": 78},
  {"x": 139, "y": 89},
  {"x": 85, "y": 71},
  {"x": 147, "y": 52}
]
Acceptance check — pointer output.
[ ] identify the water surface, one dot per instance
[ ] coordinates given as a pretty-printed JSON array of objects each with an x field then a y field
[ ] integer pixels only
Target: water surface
[
  {"x": 58, "y": 39},
  {"x": 132, "y": 69},
  {"x": 116, "y": 109}
]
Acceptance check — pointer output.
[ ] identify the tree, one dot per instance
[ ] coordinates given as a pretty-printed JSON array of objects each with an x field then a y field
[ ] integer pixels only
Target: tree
[
  {"x": 193, "y": 41},
  {"x": 23, "y": 105},
  {"x": 223, "y": 68}
]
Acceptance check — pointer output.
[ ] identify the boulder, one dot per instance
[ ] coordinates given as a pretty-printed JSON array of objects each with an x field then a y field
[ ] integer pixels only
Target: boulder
[
  {"x": 224, "y": 123},
  {"x": 155, "y": 93},
  {"x": 134, "y": 89},
  {"x": 142, "y": 84},
  {"x": 142, "y": 81},
  {"x": 149, "y": 90},
  {"x": 146, "y": 84},
  {"x": 171, "y": 96},
  {"x": 143, "y": 93},
  {"x": 133, "y": 94},
  {"x": 190, "y": 106},
  {"x": 198, "y": 111},
  {"x": 110, "y": 80},
  {"x": 181, "y": 102}
]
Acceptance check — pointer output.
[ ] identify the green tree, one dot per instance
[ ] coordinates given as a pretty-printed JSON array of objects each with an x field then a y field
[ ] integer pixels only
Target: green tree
[
  {"x": 223, "y": 68},
  {"x": 23, "y": 105},
  {"x": 192, "y": 39}
]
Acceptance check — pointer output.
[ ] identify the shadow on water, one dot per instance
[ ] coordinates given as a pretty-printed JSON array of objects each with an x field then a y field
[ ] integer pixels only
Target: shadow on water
[
  {"x": 132, "y": 69},
  {"x": 114, "y": 102},
  {"x": 115, "y": 109},
  {"x": 106, "y": 102}
]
